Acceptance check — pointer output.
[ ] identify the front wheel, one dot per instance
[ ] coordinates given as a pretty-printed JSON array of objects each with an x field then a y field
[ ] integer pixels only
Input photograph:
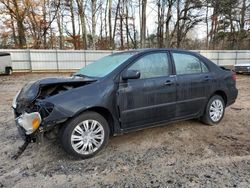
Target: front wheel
[
  {"x": 85, "y": 135},
  {"x": 214, "y": 110}
]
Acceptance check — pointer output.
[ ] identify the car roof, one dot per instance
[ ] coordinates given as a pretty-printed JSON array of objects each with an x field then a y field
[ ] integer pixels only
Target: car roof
[{"x": 142, "y": 50}]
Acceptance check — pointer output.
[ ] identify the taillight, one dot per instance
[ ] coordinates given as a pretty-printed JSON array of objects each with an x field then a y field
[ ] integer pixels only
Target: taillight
[{"x": 234, "y": 76}]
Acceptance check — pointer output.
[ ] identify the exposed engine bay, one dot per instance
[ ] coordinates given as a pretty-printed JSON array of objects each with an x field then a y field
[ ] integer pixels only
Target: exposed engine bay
[
  {"x": 31, "y": 96},
  {"x": 48, "y": 91}
]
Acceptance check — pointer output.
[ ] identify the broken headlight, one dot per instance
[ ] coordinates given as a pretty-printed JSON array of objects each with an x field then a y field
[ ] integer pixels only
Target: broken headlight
[{"x": 29, "y": 121}]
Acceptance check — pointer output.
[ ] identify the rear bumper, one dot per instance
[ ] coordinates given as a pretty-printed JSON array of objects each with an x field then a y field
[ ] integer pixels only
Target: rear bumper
[
  {"x": 230, "y": 102},
  {"x": 232, "y": 97}
]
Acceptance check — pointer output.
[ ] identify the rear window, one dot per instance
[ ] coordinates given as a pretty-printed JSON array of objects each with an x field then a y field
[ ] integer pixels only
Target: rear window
[{"x": 188, "y": 64}]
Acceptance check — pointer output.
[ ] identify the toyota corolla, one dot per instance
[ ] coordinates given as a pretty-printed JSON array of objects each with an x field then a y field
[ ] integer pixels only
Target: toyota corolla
[{"x": 123, "y": 92}]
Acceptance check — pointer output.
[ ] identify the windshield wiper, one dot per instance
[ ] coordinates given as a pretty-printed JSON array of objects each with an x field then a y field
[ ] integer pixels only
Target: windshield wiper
[
  {"x": 85, "y": 76},
  {"x": 80, "y": 75}
]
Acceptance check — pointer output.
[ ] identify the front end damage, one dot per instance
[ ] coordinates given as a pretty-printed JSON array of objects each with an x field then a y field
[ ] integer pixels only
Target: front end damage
[{"x": 34, "y": 116}]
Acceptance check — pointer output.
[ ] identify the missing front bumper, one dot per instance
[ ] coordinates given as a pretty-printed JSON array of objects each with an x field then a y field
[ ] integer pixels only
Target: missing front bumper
[{"x": 24, "y": 124}]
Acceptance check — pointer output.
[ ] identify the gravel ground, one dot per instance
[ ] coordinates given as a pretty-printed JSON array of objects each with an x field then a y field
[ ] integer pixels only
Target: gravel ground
[{"x": 184, "y": 154}]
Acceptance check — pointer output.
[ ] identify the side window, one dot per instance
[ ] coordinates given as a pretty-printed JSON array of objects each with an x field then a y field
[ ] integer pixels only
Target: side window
[
  {"x": 152, "y": 65},
  {"x": 204, "y": 67},
  {"x": 188, "y": 64}
]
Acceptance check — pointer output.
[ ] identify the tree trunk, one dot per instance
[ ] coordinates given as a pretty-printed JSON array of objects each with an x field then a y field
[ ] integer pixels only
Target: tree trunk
[
  {"x": 160, "y": 24},
  {"x": 158, "y": 20},
  {"x": 143, "y": 23},
  {"x": 206, "y": 19},
  {"x": 243, "y": 14},
  {"x": 93, "y": 12},
  {"x": 110, "y": 24},
  {"x": 81, "y": 12},
  {"x": 21, "y": 34},
  {"x": 135, "y": 37},
  {"x": 60, "y": 30},
  {"x": 13, "y": 28},
  {"x": 101, "y": 20},
  {"x": 127, "y": 26},
  {"x": 20, "y": 27},
  {"x": 121, "y": 26},
  {"x": 44, "y": 22},
  {"x": 105, "y": 20},
  {"x": 178, "y": 25},
  {"x": 72, "y": 15},
  {"x": 169, "y": 16},
  {"x": 214, "y": 26},
  {"x": 51, "y": 32},
  {"x": 14, "y": 32},
  {"x": 114, "y": 29}
]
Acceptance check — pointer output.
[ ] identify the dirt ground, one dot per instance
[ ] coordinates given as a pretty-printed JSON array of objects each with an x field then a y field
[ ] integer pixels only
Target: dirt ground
[{"x": 184, "y": 154}]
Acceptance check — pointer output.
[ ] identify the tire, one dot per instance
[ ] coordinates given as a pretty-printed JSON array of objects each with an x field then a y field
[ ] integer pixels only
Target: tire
[
  {"x": 8, "y": 71},
  {"x": 214, "y": 111},
  {"x": 85, "y": 135}
]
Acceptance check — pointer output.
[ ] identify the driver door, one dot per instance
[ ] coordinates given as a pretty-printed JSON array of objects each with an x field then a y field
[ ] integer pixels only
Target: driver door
[{"x": 151, "y": 98}]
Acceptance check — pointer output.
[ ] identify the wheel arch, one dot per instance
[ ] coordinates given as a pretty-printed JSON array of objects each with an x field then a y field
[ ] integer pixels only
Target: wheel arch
[
  {"x": 8, "y": 67},
  {"x": 103, "y": 112},
  {"x": 222, "y": 94}
]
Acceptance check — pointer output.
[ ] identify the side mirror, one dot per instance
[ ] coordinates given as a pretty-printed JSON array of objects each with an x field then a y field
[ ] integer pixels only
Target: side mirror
[{"x": 131, "y": 74}]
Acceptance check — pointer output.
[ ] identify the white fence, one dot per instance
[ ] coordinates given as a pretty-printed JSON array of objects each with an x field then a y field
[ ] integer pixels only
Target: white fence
[
  {"x": 69, "y": 60},
  {"x": 53, "y": 60}
]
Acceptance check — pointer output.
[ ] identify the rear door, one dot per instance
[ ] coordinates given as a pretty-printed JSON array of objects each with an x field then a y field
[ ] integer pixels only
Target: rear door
[
  {"x": 151, "y": 98},
  {"x": 193, "y": 84}
]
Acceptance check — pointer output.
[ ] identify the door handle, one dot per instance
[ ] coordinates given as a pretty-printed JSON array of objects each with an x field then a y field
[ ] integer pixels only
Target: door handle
[
  {"x": 168, "y": 83},
  {"x": 207, "y": 78}
]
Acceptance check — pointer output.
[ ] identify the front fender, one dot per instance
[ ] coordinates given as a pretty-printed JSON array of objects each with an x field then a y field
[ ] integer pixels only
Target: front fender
[{"x": 77, "y": 100}]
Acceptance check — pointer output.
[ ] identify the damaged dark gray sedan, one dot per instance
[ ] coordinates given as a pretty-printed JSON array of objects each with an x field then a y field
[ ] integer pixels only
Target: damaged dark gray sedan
[{"x": 123, "y": 92}]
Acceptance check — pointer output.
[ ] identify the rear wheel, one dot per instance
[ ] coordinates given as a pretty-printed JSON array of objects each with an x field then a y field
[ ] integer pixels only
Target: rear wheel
[
  {"x": 85, "y": 135},
  {"x": 214, "y": 110}
]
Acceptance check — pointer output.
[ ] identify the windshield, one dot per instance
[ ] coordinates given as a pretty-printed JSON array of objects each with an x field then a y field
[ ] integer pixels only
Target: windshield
[{"x": 105, "y": 65}]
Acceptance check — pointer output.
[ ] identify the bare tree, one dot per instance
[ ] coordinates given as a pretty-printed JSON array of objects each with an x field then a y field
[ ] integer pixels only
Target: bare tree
[
  {"x": 115, "y": 23},
  {"x": 72, "y": 16},
  {"x": 127, "y": 22},
  {"x": 93, "y": 13},
  {"x": 110, "y": 24},
  {"x": 143, "y": 23},
  {"x": 60, "y": 27},
  {"x": 18, "y": 11},
  {"x": 169, "y": 6},
  {"x": 81, "y": 11},
  {"x": 102, "y": 24}
]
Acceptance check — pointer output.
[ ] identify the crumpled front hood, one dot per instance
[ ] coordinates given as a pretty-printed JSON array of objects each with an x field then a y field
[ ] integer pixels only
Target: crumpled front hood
[{"x": 31, "y": 90}]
